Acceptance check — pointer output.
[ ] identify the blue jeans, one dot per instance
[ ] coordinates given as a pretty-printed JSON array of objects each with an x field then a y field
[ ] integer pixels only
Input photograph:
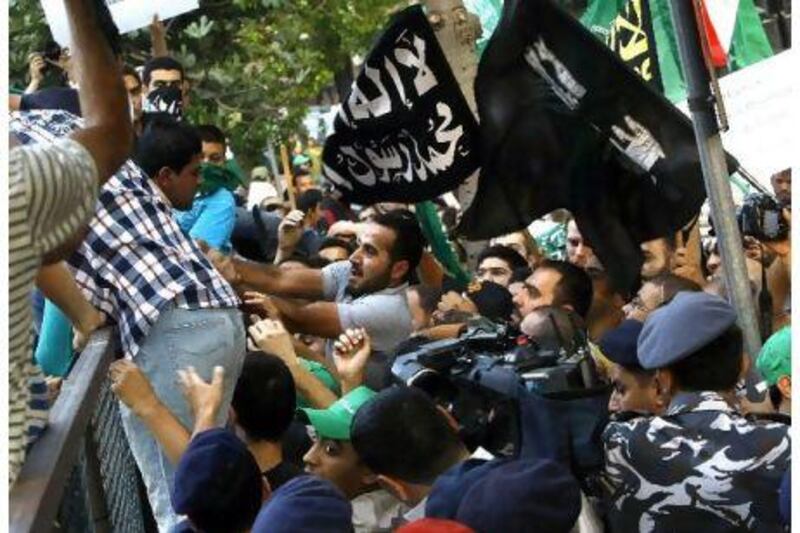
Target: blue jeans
[{"x": 202, "y": 338}]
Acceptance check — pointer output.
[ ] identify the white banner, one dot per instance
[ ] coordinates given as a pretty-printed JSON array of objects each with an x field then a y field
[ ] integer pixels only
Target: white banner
[
  {"x": 759, "y": 101},
  {"x": 129, "y": 15}
]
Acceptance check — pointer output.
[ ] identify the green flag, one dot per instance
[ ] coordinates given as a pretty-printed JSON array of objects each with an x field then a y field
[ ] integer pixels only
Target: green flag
[
  {"x": 431, "y": 226},
  {"x": 749, "y": 43}
]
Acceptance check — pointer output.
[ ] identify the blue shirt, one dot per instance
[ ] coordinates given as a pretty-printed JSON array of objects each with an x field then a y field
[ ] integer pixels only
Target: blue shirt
[{"x": 211, "y": 219}]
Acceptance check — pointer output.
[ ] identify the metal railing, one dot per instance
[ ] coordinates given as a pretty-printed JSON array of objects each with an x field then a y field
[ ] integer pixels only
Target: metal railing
[{"x": 80, "y": 475}]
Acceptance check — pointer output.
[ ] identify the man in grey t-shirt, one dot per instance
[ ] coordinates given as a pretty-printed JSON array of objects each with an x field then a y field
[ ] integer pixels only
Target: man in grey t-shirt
[{"x": 366, "y": 291}]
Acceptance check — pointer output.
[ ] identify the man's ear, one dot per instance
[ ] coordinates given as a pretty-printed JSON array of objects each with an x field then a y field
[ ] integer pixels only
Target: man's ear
[
  {"x": 395, "y": 487},
  {"x": 785, "y": 386},
  {"x": 163, "y": 176},
  {"x": 400, "y": 270},
  {"x": 664, "y": 382}
]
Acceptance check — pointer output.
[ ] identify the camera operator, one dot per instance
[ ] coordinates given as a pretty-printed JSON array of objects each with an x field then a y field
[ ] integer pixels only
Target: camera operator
[{"x": 766, "y": 228}]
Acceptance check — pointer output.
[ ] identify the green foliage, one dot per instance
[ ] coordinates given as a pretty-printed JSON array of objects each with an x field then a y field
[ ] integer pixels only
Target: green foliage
[{"x": 255, "y": 65}]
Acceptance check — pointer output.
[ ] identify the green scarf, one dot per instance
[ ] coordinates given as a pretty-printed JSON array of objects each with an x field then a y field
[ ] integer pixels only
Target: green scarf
[{"x": 215, "y": 178}]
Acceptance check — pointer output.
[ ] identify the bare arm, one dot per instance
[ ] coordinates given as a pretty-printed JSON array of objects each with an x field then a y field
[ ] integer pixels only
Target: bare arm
[
  {"x": 317, "y": 318},
  {"x": 108, "y": 133},
  {"x": 312, "y": 389},
  {"x": 271, "y": 337},
  {"x": 300, "y": 283},
  {"x": 158, "y": 38},
  {"x": 134, "y": 390},
  {"x": 58, "y": 285}
]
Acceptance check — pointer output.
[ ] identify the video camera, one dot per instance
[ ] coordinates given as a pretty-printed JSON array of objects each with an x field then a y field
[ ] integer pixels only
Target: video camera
[
  {"x": 761, "y": 216},
  {"x": 514, "y": 396}
]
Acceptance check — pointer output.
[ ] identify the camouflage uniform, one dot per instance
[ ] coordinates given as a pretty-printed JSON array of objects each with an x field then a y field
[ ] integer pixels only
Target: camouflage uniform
[{"x": 700, "y": 467}]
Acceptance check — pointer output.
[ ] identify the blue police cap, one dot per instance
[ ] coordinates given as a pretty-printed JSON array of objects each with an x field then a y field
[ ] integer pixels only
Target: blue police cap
[
  {"x": 689, "y": 322},
  {"x": 520, "y": 495},
  {"x": 217, "y": 481},
  {"x": 619, "y": 344},
  {"x": 305, "y": 503}
]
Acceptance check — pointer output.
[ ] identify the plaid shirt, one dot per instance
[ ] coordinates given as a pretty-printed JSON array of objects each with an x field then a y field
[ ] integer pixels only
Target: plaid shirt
[{"x": 135, "y": 261}]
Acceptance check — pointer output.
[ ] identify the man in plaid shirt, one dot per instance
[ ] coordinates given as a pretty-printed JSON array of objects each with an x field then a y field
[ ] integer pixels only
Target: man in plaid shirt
[{"x": 171, "y": 307}]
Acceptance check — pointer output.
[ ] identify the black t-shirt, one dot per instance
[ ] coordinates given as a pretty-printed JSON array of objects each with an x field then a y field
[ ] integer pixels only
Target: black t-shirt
[
  {"x": 63, "y": 98},
  {"x": 282, "y": 473}
]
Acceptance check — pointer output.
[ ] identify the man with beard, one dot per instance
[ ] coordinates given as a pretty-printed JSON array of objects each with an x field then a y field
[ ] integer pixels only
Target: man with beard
[{"x": 366, "y": 291}]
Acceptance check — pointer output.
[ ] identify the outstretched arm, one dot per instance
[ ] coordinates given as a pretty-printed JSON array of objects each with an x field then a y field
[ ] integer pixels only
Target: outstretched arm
[{"x": 301, "y": 283}]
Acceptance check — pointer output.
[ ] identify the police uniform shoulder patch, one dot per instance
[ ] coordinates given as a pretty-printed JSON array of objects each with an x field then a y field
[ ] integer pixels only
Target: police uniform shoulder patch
[
  {"x": 626, "y": 416},
  {"x": 770, "y": 417}
]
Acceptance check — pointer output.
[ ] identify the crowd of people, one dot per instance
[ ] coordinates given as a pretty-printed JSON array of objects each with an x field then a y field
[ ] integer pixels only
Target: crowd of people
[{"x": 257, "y": 343}]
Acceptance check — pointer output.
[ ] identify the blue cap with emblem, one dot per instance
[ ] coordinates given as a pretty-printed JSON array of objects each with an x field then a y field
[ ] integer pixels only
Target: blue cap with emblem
[{"x": 689, "y": 322}]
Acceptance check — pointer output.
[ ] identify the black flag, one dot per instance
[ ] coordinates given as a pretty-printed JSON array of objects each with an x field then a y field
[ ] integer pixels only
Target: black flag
[
  {"x": 565, "y": 123},
  {"x": 633, "y": 40},
  {"x": 405, "y": 132}
]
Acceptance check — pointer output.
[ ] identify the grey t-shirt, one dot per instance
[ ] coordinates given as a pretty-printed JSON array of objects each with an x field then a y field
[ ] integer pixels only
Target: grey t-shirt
[{"x": 385, "y": 314}]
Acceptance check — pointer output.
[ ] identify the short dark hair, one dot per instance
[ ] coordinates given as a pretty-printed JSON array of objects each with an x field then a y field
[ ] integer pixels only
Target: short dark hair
[
  {"x": 520, "y": 274},
  {"x": 574, "y": 288},
  {"x": 166, "y": 143},
  {"x": 401, "y": 433},
  {"x": 429, "y": 296},
  {"x": 161, "y": 63},
  {"x": 713, "y": 367},
  {"x": 336, "y": 242},
  {"x": 300, "y": 173},
  {"x": 128, "y": 70},
  {"x": 509, "y": 255},
  {"x": 264, "y": 397},
  {"x": 309, "y": 200},
  {"x": 210, "y": 134},
  {"x": 409, "y": 241}
]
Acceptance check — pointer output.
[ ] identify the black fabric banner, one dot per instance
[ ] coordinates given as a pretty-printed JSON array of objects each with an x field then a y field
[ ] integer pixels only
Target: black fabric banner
[
  {"x": 565, "y": 123},
  {"x": 633, "y": 40},
  {"x": 405, "y": 132}
]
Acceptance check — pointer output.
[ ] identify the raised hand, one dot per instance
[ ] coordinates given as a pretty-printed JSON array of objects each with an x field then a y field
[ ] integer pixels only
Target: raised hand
[
  {"x": 271, "y": 337},
  {"x": 203, "y": 398},
  {"x": 290, "y": 231},
  {"x": 36, "y": 66},
  {"x": 351, "y": 351},
  {"x": 263, "y": 302}
]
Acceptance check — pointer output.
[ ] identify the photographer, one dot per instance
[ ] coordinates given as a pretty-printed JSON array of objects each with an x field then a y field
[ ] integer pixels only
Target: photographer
[{"x": 765, "y": 223}]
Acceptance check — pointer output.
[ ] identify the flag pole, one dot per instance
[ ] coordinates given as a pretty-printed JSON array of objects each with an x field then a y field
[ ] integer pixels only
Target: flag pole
[{"x": 715, "y": 173}]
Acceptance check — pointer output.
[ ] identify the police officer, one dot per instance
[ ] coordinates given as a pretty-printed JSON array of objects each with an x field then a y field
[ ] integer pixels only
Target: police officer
[{"x": 700, "y": 466}]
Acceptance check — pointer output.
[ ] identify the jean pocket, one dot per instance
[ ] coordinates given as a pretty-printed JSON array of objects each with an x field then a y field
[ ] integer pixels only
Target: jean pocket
[{"x": 198, "y": 338}]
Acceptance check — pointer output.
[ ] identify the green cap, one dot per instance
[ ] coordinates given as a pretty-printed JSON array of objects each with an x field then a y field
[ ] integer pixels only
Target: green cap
[
  {"x": 334, "y": 422},
  {"x": 775, "y": 358}
]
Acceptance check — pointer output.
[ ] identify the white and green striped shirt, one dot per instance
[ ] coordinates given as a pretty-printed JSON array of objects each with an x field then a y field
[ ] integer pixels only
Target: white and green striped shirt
[{"x": 52, "y": 193}]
